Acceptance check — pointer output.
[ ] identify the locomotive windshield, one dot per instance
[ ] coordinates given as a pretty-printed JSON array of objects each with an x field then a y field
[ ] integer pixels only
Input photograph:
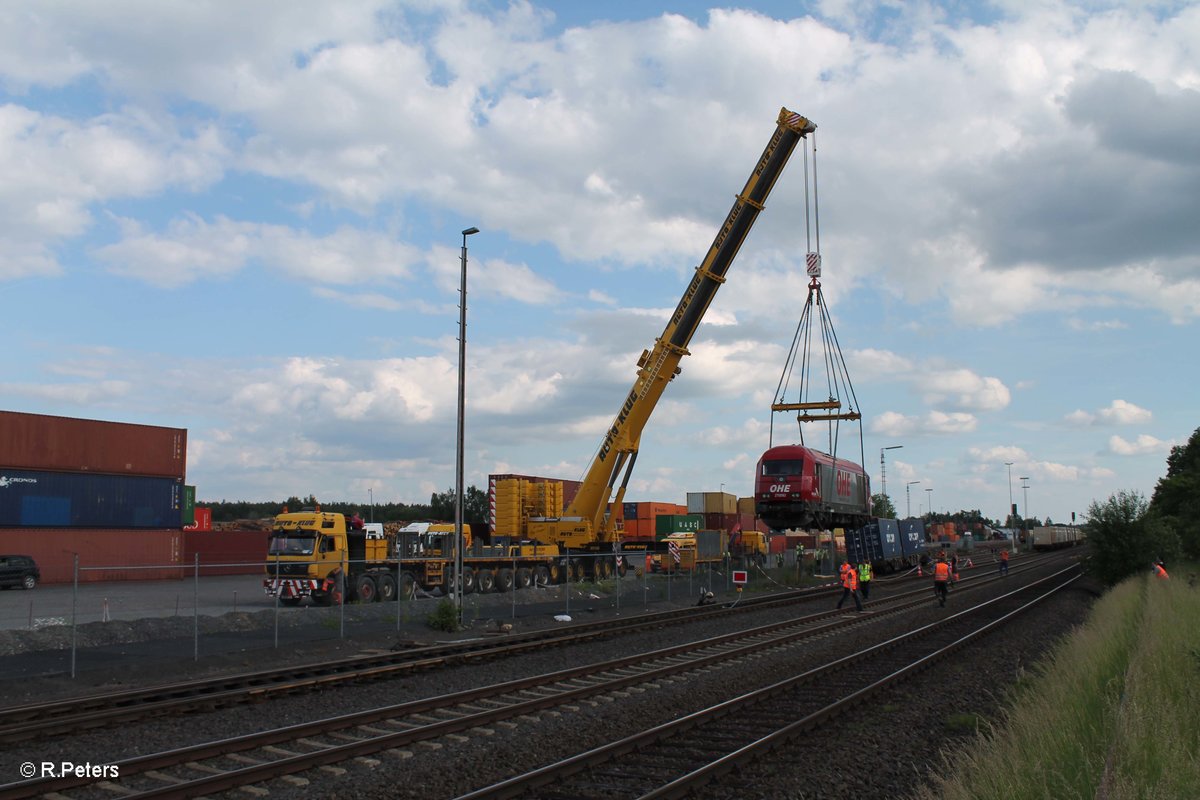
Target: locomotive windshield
[{"x": 791, "y": 466}]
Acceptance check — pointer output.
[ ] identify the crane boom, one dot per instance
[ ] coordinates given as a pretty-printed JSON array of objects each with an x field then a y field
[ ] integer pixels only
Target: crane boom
[{"x": 583, "y": 523}]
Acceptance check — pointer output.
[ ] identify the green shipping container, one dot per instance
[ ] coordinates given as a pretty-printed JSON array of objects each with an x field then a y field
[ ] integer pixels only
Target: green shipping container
[
  {"x": 666, "y": 524},
  {"x": 187, "y": 513}
]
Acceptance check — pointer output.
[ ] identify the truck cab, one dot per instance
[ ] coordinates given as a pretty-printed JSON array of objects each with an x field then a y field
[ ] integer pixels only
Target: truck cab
[{"x": 308, "y": 549}]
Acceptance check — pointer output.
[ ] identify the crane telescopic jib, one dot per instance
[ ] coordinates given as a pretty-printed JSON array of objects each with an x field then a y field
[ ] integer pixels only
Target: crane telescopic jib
[{"x": 583, "y": 524}]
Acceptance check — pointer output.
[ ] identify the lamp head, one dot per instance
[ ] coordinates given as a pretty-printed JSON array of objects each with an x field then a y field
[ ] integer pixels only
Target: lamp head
[{"x": 470, "y": 231}]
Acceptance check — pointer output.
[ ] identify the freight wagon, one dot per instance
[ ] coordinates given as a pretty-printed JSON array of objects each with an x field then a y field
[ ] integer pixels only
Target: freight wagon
[{"x": 1056, "y": 536}]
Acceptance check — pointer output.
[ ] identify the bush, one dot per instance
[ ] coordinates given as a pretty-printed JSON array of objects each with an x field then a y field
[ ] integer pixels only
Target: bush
[
  {"x": 444, "y": 617},
  {"x": 1124, "y": 539}
]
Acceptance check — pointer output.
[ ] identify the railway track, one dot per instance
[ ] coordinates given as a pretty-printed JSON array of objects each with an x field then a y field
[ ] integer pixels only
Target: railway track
[
  {"x": 222, "y": 765},
  {"x": 673, "y": 762},
  {"x": 21, "y": 723}
]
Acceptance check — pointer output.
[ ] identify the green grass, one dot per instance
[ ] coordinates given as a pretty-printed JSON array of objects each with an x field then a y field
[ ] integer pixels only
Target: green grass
[{"x": 1112, "y": 713}]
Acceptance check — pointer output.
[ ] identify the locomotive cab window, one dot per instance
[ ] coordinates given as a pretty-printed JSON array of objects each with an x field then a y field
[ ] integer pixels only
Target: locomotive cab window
[{"x": 792, "y": 466}]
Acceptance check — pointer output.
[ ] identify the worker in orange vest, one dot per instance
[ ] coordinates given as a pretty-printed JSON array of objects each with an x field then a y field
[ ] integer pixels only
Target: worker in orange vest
[
  {"x": 1160, "y": 571},
  {"x": 1004, "y": 563},
  {"x": 941, "y": 580},
  {"x": 850, "y": 586}
]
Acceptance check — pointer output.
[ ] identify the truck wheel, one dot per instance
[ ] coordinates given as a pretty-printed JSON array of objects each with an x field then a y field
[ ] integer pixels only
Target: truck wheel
[
  {"x": 485, "y": 580},
  {"x": 387, "y": 588},
  {"x": 365, "y": 589},
  {"x": 622, "y": 566},
  {"x": 408, "y": 586},
  {"x": 544, "y": 575},
  {"x": 576, "y": 572},
  {"x": 468, "y": 582},
  {"x": 606, "y": 568},
  {"x": 504, "y": 579},
  {"x": 524, "y": 577}
]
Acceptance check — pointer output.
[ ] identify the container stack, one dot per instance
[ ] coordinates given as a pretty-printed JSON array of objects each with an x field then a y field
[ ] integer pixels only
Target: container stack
[
  {"x": 512, "y": 499},
  {"x": 112, "y": 492}
]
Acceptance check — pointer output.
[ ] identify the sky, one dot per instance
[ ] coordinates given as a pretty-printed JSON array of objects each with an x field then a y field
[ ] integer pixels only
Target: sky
[{"x": 245, "y": 220}]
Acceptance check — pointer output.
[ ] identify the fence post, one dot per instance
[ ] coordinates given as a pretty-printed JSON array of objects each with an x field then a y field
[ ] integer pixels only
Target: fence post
[
  {"x": 567, "y": 584},
  {"x": 514, "y": 584},
  {"x": 617, "y": 572},
  {"x": 278, "y": 592},
  {"x": 196, "y": 612},
  {"x": 74, "y": 607}
]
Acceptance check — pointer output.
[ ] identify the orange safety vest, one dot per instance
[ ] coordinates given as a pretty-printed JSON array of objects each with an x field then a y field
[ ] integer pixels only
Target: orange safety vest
[
  {"x": 941, "y": 572},
  {"x": 1004, "y": 555},
  {"x": 850, "y": 579},
  {"x": 1161, "y": 572}
]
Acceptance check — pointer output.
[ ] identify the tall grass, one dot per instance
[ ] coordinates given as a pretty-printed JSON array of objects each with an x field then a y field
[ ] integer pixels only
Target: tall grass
[
  {"x": 1056, "y": 738},
  {"x": 1157, "y": 750},
  {"x": 1113, "y": 715}
]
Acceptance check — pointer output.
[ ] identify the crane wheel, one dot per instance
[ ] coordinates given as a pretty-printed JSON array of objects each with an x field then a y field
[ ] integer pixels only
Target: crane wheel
[
  {"x": 468, "y": 580},
  {"x": 545, "y": 575},
  {"x": 387, "y": 588},
  {"x": 485, "y": 580},
  {"x": 504, "y": 579},
  {"x": 524, "y": 578},
  {"x": 365, "y": 589}
]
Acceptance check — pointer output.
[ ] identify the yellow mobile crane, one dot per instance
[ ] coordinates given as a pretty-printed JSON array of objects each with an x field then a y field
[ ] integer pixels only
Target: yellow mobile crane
[{"x": 584, "y": 526}]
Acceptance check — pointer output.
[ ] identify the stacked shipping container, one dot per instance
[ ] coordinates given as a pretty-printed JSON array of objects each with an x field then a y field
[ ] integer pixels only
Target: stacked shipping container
[{"x": 110, "y": 492}]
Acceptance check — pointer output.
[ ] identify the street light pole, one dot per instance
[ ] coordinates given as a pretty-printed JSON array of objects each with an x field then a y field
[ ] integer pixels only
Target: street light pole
[
  {"x": 883, "y": 469},
  {"x": 1009, "y": 464},
  {"x": 459, "y": 589},
  {"x": 1025, "y": 511},
  {"x": 930, "y": 503},
  {"x": 371, "y": 497},
  {"x": 908, "y": 494}
]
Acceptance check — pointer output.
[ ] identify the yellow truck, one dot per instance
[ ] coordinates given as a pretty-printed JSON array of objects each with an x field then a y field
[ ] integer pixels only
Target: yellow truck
[{"x": 318, "y": 555}]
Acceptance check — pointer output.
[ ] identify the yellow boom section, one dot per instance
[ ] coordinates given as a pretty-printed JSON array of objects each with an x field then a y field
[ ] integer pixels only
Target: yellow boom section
[{"x": 583, "y": 522}]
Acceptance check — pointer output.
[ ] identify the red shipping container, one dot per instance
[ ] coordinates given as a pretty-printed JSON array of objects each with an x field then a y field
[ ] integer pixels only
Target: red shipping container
[
  {"x": 104, "y": 555},
  {"x": 64, "y": 444},
  {"x": 203, "y": 520},
  {"x": 718, "y": 521},
  {"x": 240, "y": 552}
]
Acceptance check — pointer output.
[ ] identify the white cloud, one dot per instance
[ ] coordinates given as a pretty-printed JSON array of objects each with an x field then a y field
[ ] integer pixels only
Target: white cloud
[
  {"x": 1119, "y": 412},
  {"x": 1143, "y": 445},
  {"x": 890, "y": 423},
  {"x": 964, "y": 389},
  {"x": 1125, "y": 413}
]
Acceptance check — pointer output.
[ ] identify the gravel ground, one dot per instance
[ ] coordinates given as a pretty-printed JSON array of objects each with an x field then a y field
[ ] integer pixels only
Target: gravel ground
[{"x": 892, "y": 743}]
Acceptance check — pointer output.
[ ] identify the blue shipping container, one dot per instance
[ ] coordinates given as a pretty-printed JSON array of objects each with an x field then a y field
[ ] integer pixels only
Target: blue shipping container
[
  {"x": 30, "y": 498},
  {"x": 889, "y": 538},
  {"x": 879, "y": 541},
  {"x": 912, "y": 536}
]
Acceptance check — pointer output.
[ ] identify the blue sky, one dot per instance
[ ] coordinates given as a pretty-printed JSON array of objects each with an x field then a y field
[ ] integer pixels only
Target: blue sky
[{"x": 253, "y": 232}]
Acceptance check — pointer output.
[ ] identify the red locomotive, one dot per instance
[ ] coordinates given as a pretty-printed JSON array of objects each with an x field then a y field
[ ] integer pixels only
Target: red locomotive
[{"x": 799, "y": 487}]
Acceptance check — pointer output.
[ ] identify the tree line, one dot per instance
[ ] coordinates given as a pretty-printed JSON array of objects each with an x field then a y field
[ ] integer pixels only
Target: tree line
[
  {"x": 440, "y": 508},
  {"x": 1127, "y": 533}
]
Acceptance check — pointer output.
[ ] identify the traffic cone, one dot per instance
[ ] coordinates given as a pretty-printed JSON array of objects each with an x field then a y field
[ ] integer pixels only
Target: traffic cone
[{"x": 920, "y": 574}]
